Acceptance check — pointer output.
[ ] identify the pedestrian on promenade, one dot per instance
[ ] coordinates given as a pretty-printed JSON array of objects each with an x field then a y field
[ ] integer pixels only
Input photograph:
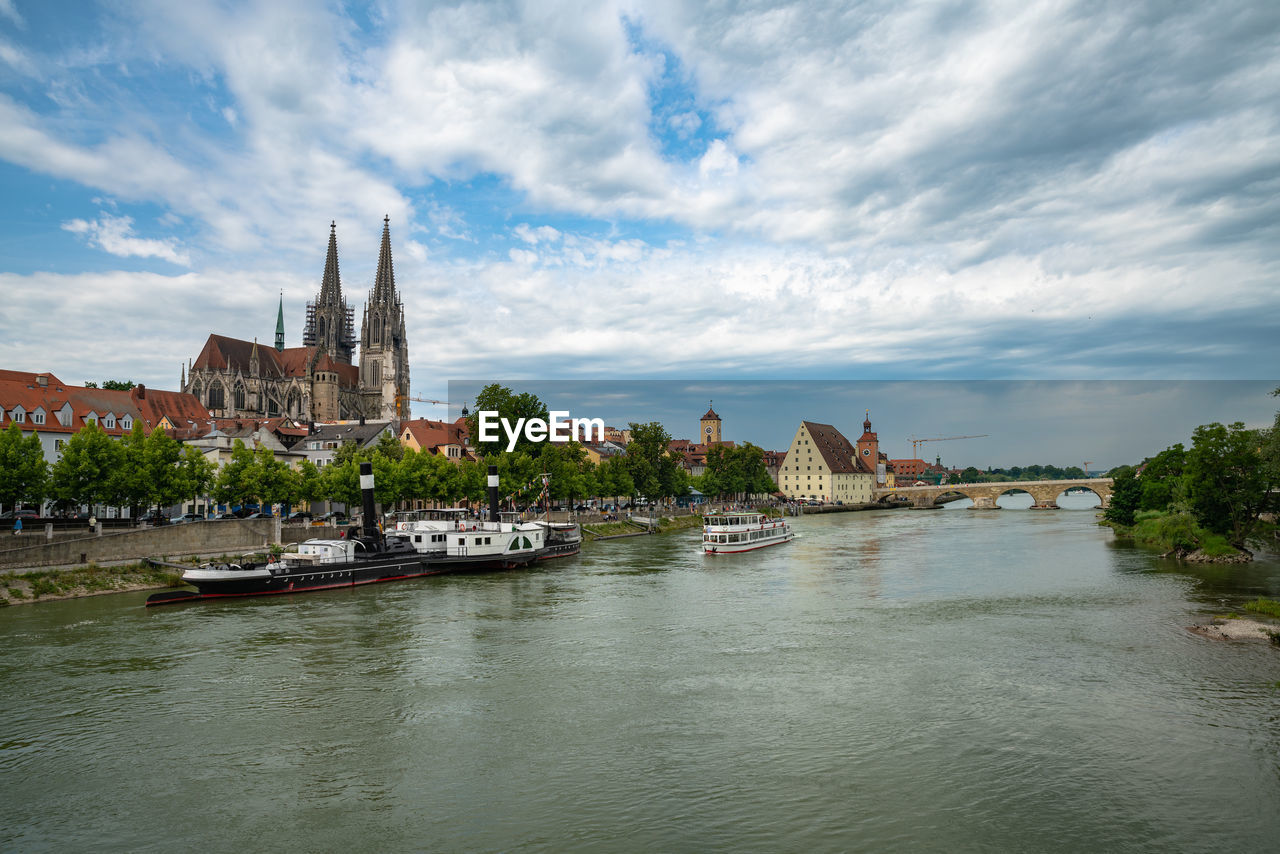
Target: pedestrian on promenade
[{"x": 17, "y": 525}]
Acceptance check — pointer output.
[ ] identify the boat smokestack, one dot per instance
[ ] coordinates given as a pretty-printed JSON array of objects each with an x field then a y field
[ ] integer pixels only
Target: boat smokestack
[
  {"x": 366, "y": 495},
  {"x": 493, "y": 493}
]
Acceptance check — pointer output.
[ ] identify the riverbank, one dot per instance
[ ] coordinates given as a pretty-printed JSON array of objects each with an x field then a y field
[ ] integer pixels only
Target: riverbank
[
  {"x": 51, "y": 584},
  {"x": 1176, "y": 535},
  {"x": 666, "y": 524}
]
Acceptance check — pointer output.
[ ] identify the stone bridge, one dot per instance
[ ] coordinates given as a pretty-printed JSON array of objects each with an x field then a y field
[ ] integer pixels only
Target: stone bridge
[{"x": 1044, "y": 492}]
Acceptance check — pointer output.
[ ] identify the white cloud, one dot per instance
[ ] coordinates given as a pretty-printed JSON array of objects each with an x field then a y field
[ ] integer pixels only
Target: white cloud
[
  {"x": 114, "y": 234},
  {"x": 8, "y": 10}
]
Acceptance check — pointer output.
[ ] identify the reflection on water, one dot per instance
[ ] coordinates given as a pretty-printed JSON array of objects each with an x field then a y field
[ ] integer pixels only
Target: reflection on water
[{"x": 896, "y": 679}]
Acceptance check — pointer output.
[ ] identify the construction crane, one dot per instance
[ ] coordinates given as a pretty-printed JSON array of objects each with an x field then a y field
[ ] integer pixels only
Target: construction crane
[
  {"x": 402, "y": 403},
  {"x": 916, "y": 443}
]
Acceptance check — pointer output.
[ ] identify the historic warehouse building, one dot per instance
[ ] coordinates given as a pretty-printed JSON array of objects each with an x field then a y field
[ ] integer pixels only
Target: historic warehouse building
[{"x": 319, "y": 381}]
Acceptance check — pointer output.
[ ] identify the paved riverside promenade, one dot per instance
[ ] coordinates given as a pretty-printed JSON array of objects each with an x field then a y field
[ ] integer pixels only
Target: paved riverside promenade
[{"x": 221, "y": 536}]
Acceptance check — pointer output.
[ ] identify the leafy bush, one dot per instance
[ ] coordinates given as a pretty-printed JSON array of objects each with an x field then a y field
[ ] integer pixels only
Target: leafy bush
[{"x": 1170, "y": 531}]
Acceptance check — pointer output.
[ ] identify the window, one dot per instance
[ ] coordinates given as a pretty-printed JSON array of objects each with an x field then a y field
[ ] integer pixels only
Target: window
[
  {"x": 126, "y": 422},
  {"x": 19, "y": 415},
  {"x": 38, "y": 416},
  {"x": 216, "y": 398},
  {"x": 237, "y": 397},
  {"x": 110, "y": 421}
]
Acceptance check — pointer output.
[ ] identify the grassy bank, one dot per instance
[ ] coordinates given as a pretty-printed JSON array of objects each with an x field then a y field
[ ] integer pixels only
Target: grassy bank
[
  {"x": 665, "y": 524},
  {"x": 43, "y": 585},
  {"x": 1179, "y": 535}
]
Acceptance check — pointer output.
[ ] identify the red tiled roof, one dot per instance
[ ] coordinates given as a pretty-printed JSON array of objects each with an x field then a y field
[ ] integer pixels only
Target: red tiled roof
[
  {"x": 837, "y": 451},
  {"x": 141, "y": 405},
  {"x": 221, "y": 353},
  {"x": 433, "y": 434}
]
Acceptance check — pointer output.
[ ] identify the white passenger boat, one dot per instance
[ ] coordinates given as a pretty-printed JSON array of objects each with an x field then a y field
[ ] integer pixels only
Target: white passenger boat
[{"x": 730, "y": 533}]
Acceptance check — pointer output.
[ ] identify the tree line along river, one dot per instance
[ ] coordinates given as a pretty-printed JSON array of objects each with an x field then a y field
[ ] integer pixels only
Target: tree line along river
[{"x": 954, "y": 680}]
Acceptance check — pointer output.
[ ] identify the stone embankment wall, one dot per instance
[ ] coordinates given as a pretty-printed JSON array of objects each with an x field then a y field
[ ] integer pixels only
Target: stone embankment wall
[{"x": 228, "y": 536}]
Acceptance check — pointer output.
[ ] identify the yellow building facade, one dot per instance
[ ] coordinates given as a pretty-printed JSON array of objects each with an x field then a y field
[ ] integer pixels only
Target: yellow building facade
[{"x": 823, "y": 465}]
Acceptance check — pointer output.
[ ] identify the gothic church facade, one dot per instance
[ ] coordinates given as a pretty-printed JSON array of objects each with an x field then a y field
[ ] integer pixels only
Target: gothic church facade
[{"x": 320, "y": 380}]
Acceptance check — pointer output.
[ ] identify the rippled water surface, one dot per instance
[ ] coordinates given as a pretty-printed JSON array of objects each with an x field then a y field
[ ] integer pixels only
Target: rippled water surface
[{"x": 954, "y": 680}]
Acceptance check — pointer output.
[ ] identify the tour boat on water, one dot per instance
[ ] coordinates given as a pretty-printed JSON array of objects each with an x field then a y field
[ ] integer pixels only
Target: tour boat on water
[{"x": 730, "y": 533}]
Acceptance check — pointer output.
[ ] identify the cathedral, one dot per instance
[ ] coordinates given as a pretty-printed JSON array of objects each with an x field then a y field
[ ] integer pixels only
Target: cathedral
[{"x": 319, "y": 381}]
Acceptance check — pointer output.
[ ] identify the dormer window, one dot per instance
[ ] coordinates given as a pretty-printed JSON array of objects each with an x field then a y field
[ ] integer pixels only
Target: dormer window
[
  {"x": 37, "y": 417},
  {"x": 109, "y": 422},
  {"x": 64, "y": 415},
  {"x": 126, "y": 423},
  {"x": 19, "y": 414},
  {"x": 91, "y": 418}
]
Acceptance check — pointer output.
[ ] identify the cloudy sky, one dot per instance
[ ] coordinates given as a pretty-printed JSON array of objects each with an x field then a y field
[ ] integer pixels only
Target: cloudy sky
[{"x": 871, "y": 191}]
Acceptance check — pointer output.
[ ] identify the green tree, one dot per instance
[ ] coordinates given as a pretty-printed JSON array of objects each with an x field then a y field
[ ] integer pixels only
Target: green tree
[
  {"x": 129, "y": 482},
  {"x": 389, "y": 446},
  {"x": 118, "y": 385},
  {"x": 1271, "y": 448},
  {"x": 162, "y": 460},
  {"x": 387, "y": 484},
  {"x": 1162, "y": 478},
  {"x": 508, "y": 405},
  {"x": 1227, "y": 485},
  {"x": 24, "y": 474},
  {"x": 234, "y": 484},
  {"x": 310, "y": 483},
  {"x": 196, "y": 471},
  {"x": 273, "y": 482},
  {"x": 342, "y": 482},
  {"x": 1126, "y": 494},
  {"x": 472, "y": 480},
  {"x": 83, "y": 473},
  {"x": 656, "y": 473}
]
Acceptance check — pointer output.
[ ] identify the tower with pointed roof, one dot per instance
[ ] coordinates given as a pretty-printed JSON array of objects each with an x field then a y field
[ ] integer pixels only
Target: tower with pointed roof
[
  {"x": 330, "y": 322},
  {"x": 709, "y": 427},
  {"x": 384, "y": 350},
  {"x": 280, "y": 326}
]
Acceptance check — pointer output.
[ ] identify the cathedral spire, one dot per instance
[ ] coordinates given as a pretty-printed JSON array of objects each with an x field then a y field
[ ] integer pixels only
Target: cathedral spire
[
  {"x": 384, "y": 285},
  {"x": 330, "y": 322},
  {"x": 280, "y": 325},
  {"x": 331, "y": 284}
]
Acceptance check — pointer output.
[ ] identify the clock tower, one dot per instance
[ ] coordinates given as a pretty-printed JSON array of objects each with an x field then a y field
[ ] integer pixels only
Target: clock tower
[
  {"x": 868, "y": 449},
  {"x": 709, "y": 428}
]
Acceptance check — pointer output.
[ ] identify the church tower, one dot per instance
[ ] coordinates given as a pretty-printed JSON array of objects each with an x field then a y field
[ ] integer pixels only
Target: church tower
[
  {"x": 709, "y": 428},
  {"x": 868, "y": 450},
  {"x": 384, "y": 350},
  {"x": 280, "y": 327},
  {"x": 330, "y": 322}
]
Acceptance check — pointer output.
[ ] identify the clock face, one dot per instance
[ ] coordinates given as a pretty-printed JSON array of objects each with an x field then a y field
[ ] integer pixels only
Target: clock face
[
  {"x": 708, "y": 431},
  {"x": 866, "y": 452}
]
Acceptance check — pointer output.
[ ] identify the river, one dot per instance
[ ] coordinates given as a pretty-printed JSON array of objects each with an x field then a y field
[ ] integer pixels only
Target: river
[{"x": 950, "y": 680}]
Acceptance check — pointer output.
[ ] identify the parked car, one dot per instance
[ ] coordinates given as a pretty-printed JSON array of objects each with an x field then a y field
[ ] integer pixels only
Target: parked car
[
  {"x": 24, "y": 514},
  {"x": 226, "y": 516},
  {"x": 189, "y": 517},
  {"x": 299, "y": 516},
  {"x": 155, "y": 517}
]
